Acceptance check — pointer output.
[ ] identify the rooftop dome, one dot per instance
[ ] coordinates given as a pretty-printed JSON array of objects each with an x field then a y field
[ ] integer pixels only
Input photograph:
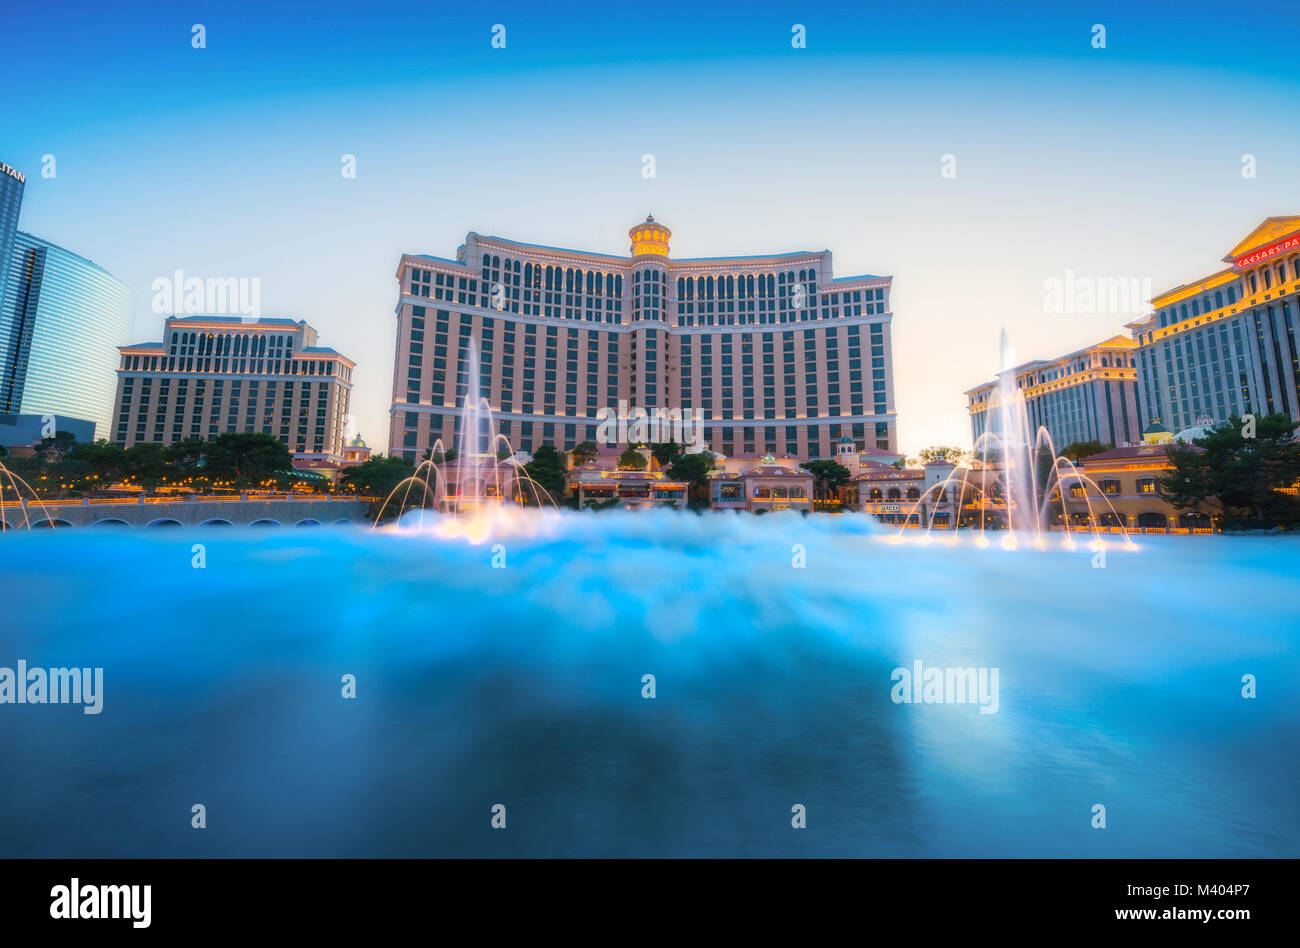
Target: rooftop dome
[
  {"x": 356, "y": 442},
  {"x": 649, "y": 237},
  {"x": 845, "y": 439},
  {"x": 1155, "y": 428}
]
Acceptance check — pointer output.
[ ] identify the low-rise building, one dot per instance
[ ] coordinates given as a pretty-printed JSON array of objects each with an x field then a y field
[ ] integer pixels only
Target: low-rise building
[
  {"x": 1125, "y": 492},
  {"x": 767, "y": 486},
  {"x": 594, "y": 483},
  {"x": 928, "y": 496}
]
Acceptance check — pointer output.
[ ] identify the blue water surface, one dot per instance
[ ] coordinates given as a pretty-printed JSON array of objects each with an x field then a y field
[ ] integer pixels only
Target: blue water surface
[{"x": 508, "y": 669}]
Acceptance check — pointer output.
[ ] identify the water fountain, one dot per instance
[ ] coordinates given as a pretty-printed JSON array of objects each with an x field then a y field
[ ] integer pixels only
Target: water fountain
[
  {"x": 13, "y": 496},
  {"x": 1020, "y": 477},
  {"x": 481, "y": 484}
]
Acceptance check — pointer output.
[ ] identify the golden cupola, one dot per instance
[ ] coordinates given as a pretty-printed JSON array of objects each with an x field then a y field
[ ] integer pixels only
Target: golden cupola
[{"x": 650, "y": 237}]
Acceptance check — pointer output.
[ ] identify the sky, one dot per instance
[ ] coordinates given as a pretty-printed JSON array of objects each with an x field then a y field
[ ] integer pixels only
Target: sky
[{"x": 980, "y": 153}]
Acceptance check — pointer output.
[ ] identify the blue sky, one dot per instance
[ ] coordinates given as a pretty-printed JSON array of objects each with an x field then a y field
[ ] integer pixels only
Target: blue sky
[{"x": 1116, "y": 162}]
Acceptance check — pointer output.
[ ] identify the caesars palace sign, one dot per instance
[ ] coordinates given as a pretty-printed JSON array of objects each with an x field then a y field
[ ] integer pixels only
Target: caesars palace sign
[{"x": 1266, "y": 253}]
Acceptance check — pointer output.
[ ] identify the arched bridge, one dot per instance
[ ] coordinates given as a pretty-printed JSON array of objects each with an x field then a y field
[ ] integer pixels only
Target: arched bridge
[{"x": 263, "y": 510}]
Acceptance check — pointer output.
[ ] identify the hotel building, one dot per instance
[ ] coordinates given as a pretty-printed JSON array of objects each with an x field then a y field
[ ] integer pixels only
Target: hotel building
[
  {"x": 1088, "y": 395},
  {"x": 217, "y": 374},
  {"x": 773, "y": 353},
  {"x": 61, "y": 317},
  {"x": 12, "y": 184},
  {"x": 1226, "y": 344}
]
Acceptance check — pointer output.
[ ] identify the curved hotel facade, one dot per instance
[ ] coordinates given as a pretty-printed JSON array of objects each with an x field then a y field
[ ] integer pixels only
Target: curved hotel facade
[
  {"x": 771, "y": 354},
  {"x": 62, "y": 318}
]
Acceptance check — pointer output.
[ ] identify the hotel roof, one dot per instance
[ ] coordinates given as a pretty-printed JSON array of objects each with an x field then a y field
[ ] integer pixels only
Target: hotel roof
[
  {"x": 1271, "y": 229},
  {"x": 1267, "y": 231},
  {"x": 523, "y": 243},
  {"x": 887, "y": 473},
  {"x": 776, "y": 470},
  {"x": 1132, "y": 452},
  {"x": 625, "y": 260},
  {"x": 1114, "y": 342},
  {"x": 246, "y": 320}
]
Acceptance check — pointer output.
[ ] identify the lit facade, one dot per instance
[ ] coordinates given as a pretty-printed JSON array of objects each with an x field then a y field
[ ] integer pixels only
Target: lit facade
[
  {"x": 771, "y": 353},
  {"x": 216, "y": 374},
  {"x": 765, "y": 487},
  {"x": 596, "y": 483},
  {"x": 1226, "y": 344},
  {"x": 1121, "y": 493},
  {"x": 1088, "y": 395},
  {"x": 930, "y": 496},
  {"x": 1127, "y": 493}
]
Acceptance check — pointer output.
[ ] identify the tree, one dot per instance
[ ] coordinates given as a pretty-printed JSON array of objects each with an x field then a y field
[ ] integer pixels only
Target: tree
[
  {"x": 943, "y": 453},
  {"x": 440, "y": 457},
  {"x": 70, "y": 474},
  {"x": 146, "y": 464},
  {"x": 1078, "y": 450},
  {"x": 632, "y": 460},
  {"x": 188, "y": 458},
  {"x": 248, "y": 458},
  {"x": 666, "y": 452},
  {"x": 694, "y": 469},
  {"x": 1238, "y": 466},
  {"x": 584, "y": 452},
  {"x": 547, "y": 471},
  {"x": 53, "y": 449},
  {"x": 376, "y": 476},
  {"x": 106, "y": 460},
  {"x": 829, "y": 476}
]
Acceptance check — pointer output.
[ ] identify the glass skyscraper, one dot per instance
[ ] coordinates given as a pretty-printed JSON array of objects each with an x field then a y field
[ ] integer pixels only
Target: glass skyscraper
[
  {"x": 12, "y": 183},
  {"x": 62, "y": 318}
]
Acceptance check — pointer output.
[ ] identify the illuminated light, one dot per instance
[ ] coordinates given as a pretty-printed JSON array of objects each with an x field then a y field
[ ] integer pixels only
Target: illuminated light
[{"x": 1284, "y": 245}]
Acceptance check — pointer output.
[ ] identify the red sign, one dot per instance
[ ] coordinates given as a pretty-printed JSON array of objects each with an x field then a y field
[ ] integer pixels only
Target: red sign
[{"x": 1267, "y": 253}]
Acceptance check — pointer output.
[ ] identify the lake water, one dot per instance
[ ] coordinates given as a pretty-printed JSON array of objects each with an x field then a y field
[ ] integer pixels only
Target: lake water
[{"x": 521, "y": 684}]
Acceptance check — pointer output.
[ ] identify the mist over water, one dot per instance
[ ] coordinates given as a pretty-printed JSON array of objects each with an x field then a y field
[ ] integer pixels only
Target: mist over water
[{"x": 522, "y": 686}]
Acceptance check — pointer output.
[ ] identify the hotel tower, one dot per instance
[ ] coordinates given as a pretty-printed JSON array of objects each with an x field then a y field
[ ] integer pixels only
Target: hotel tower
[
  {"x": 61, "y": 318},
  {"x": 1226, "y": 344},
  {"x": 772, "y": 353},
  {"x": 210, "y": 375},
  {"x": 1087, "y": 395}
]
